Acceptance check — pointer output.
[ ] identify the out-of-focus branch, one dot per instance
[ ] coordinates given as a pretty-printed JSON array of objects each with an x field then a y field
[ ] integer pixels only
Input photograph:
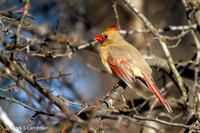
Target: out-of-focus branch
[
  {"x": 162, "y": 43},
  {"x": 160, "y": 30},
  {"x": 177, "y": 37},
  {"x": 70, "y": 50},
  {"x": 37, "y": 112},
  {"x": 116, "y": 13},
  {"x": 9, "y": 125},
  {"x": 107, "y": 111},
  {"x": 15, "y": 68},
  {"x": 27, "y": 2},
  {"x": 18, "y": 102},
  {"x": 55, "y": 77},
  {"x": 159, "y": 63},
  {"x": 135, "y": 118},
  {"x": 122, "y": 117},
  {"x": 7, "y": 11},
  {"x": 191, "y": 121},
  {"x": 196, "y": 87},
  {"x": 166, "y": 123},
  {"x": 163, "y": 65},
  {"x": 1, "y": 22}
]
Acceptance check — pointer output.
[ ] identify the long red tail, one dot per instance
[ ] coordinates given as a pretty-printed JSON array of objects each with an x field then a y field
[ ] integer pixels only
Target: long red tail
[{"x": 158, "y": 94}]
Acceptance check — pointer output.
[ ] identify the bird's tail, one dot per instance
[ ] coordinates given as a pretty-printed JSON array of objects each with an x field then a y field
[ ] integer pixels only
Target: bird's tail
[{"x": 158, "y": 94}]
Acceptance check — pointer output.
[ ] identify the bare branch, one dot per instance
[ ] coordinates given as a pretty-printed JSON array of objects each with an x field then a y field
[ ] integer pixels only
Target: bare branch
[
  {"x": 41, "y": 89},
  {"x": 27, "y": 2},
  {"x": 162, "y": 43}
]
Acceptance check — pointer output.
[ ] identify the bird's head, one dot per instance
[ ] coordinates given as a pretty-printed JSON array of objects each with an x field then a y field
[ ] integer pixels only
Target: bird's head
[{"x": 108, "y": 36}]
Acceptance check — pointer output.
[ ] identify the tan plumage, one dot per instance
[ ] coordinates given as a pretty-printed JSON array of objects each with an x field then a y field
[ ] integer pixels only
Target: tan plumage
[{"x": 124, "y": 60}]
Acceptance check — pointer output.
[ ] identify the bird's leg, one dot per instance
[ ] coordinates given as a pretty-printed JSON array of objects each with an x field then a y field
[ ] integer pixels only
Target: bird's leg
[{"x": 122, "y": 84}]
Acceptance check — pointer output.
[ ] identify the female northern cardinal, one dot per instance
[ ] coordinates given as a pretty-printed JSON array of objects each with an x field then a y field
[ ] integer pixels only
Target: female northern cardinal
[{"x": 124, "y": 60}]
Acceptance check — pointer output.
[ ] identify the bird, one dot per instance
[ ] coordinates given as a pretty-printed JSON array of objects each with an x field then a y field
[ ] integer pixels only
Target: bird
[{"x": 123, "y": 60}]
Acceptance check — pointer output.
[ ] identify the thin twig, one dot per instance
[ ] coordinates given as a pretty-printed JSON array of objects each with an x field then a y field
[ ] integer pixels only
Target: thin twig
[
  {"x": 165, "y": 122},
  {"x": 31, "y": 79},
  {"x": 160, "y": 30},
  {"x": 162, "y": 43},
  {"x": 18, "y": 102},
  {"x": 178, "y": 37},
  {"x": 27, "y": 2},
  {"x": 116, "y": 13},
  {"x": 137, "y": 117},
  {"x": 191, "y": 105},
  {"x": 176, "y": 45},
  {"x": 4, "y": 17},
  {"x": 55, "y": 77}
]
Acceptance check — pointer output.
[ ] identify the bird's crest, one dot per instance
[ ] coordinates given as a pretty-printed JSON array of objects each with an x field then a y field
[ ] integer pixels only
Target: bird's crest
[
  {"x": 115, "y": 27},
  {"x": 105, "y": 34}
]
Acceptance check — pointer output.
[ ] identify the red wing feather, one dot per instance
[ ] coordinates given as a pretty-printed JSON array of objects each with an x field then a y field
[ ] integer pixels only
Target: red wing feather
[
  {"x": 122, "y": 68},
  {"x": 158, "y": 94}
]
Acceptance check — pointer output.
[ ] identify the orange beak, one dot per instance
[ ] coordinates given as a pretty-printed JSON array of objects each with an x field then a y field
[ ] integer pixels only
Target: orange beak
[{"x": 99, "y": 38}]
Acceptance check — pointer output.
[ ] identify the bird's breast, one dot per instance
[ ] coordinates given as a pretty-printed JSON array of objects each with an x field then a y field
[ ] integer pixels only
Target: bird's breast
[{"x": 104, "y": 59}]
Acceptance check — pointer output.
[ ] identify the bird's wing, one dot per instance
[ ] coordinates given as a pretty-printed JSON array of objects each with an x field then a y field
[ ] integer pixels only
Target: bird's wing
[{"x": 121, "y": 67}]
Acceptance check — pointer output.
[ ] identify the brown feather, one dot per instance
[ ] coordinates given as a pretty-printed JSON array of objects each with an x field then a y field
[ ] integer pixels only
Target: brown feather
[{"x": 121, "y": 58}]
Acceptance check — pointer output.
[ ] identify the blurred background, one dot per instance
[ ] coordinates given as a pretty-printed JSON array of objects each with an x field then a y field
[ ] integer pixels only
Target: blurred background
[{"x": 77, "y": 22}]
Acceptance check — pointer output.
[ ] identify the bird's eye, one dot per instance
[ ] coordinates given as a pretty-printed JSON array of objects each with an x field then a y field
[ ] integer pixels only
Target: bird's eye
[{"x": 106, "y": 37}]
